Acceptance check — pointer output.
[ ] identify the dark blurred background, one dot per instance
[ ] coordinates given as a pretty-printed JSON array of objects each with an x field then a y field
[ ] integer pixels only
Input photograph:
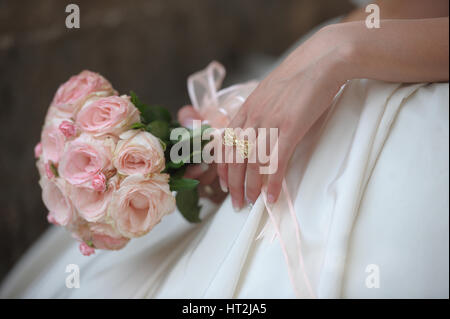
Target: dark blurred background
[{"x": 146, "y": 46}]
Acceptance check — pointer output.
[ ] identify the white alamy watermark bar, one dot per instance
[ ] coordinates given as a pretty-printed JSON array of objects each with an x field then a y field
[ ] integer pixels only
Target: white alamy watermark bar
[{"x": 247, "y": 145}]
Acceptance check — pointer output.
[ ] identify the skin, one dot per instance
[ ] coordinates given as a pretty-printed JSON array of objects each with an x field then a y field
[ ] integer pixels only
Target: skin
[{"x": 411, "y": 46}]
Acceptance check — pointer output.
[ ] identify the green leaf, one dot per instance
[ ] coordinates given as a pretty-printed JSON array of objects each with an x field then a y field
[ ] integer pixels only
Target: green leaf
[
  {"x": 160, "y": 113},
  {"x": 177, "y": 184},
  {"x": 174, "y": 165},
  {"x": 175, "y": 124},
  {"x": 177, "y": 173},
  {"x": 135, "y": 100},
  {"x": 146, "y": 115},
  {"x": 143, "y": 108},
  {"x": 159, "y": 129},
  {"x": 150, "y": 113},
  {"x": 187, "y": 204},
  {"x": 137, "y": 125},
  {"x": 163, "y": 144},
  {"x": 54, "y": 169}
]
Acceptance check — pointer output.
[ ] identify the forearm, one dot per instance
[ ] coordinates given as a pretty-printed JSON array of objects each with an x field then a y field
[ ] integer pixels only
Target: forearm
[{"x": 399, "y": 51}]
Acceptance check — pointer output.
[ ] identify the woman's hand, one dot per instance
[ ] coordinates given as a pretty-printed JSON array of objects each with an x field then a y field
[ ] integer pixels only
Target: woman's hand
[
  {"x": 205, "y": 174},
  {"x": 291, "y": 99},
  {"x": 296, "y": 93}
]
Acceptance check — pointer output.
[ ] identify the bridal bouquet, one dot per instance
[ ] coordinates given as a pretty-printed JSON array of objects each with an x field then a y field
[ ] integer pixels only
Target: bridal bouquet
[{"x": 104, "y": 165}]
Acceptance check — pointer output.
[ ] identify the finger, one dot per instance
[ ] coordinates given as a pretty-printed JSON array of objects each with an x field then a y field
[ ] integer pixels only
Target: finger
[
  {"x": 213, "y": 192},
  {"x": 186, "y": 115},
  {"x": 253, "y": 183},
  {"x": 221, "y": 162},
  {"x": 253, "y": 177},
  {"x": 195, "y": 171},
  {"x": 222, "y": 172},
  {"x": 236, "y": 165},
  {"x": 236, "y": 179},
  {"x": 209, "y": 176},
  {"x": 225, "y": 156},
  {"x": 274, "y": 182}
]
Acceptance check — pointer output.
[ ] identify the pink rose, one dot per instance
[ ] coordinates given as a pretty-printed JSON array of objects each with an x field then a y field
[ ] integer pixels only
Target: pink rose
[
  {"x": 56, "y": 200},
  {"x": 99, "y": 182},
  {"x": 80, "y": 230},
  {"x": 138, "y": 152},
  {"x": 38, "y": 150},
  {"x": 85, "y": 249},
  {"x": 104, "y": 236},
  {"x": 52, "y": 141},
  {"x": 68, "y": 129},
  {"x": 71, "y": 94},
  {"x": 51, "y": 219},
  {"x": 90, "y": 203},
  {"x": 84, "y": 157},
  {"x": 53, "y": 114},
  {"x": 99, "y": 236},
  {"x": 107, "y": 115},
  {"x": 140, "y": 203}
]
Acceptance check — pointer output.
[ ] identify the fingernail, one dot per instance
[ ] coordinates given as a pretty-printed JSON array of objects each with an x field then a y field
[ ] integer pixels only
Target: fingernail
[
  {"x": 223, "y": 186},
  {"x": 208, "y": 190},
  {"x": 235, "y": 206},
  {"x": 270, "y": 199}
]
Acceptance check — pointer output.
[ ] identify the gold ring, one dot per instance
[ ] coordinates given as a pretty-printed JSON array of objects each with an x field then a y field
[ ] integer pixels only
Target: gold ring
[
  {"x": 243, "y": 146},
  {"x": 229, "y": 138}
]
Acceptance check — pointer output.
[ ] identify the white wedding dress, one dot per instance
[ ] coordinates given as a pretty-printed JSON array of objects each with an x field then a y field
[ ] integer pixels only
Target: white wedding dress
[{"x": 370, "y": 187}]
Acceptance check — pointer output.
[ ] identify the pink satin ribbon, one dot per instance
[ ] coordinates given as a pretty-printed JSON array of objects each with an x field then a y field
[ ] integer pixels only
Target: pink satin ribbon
[
  {"x": 284, "y": 249},
  {"x": 218, "y": 107}
]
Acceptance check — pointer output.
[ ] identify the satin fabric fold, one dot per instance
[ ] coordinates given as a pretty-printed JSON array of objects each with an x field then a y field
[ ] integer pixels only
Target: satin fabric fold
[{"x": 369, "y": 185}]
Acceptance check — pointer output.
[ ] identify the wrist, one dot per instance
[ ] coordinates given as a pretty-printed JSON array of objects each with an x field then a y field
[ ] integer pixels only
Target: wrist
[{"x": 345, "y": 60}]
